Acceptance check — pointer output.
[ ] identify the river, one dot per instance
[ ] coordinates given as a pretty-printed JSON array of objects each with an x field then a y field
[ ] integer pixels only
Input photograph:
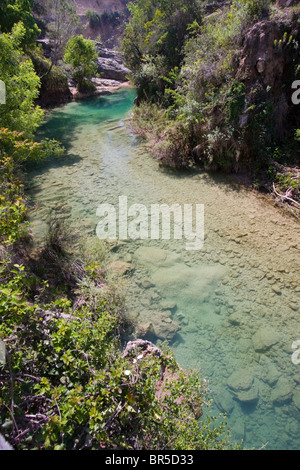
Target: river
[{"x": 235, "y": 300}]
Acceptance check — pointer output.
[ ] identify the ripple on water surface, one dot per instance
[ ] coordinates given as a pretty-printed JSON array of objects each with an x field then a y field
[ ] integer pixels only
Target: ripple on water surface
[{"x": 230, "y": 309}]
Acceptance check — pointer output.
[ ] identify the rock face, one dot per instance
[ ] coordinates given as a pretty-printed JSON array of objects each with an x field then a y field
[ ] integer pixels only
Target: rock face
[
  {"x": 267, "y": 63},
  {"x": 261, "y": 61},
  {"x": 111, "y": 66}
]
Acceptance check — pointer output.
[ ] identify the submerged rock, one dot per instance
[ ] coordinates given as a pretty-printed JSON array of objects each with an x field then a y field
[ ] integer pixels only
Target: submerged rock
[
  {"x": 296, "y": 398},
  {"x": 224, "y": 401},
  {"x": 264, "y": 339},
  {"x": 158, "y": 325},
  {"x": 152, "y": 256},
  {"x": 248, "y": 396},
  {"x": 240, "y": 380},
  {"x": 282, "y": 393},
  {"x": 120, "y": 267}
]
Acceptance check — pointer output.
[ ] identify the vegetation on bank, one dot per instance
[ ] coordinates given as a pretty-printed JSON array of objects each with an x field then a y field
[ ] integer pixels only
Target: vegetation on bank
[
  {"x": 206, "y": 100},
  {"x": 66, "y": 381}
]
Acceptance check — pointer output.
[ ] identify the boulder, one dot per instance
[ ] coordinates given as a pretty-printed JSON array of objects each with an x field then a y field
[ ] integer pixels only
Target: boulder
[
  {"x": 111, "y": 68},
  {"x": 272, "y": 375},
  {"x": 296, "y": 398},
  {"x": 240, "y": 380},
  {"x": 152, "y": 256},
  {"x": 120, "y": 268},
  {"x": 264, "y": 339},
  {"x": 164, "y": 327},
  {"x": 224, "y": 401},
  {"x": 158, "y": 325},
  {"x": 145, "y": 331},
  {"x": 259, "y": 58},
  {"x": 282, "y": 393},
  {"x": 248, "y": 397}
]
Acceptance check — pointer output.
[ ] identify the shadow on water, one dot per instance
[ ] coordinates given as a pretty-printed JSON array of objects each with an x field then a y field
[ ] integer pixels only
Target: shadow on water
[{"x": 211, "y": 178}]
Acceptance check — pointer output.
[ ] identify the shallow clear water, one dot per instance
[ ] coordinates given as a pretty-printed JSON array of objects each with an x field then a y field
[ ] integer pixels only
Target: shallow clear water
[{"x": 237, "y": 299}]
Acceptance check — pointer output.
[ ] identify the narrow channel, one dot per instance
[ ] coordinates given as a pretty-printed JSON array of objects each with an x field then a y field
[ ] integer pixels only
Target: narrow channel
[{"x": 231, "y": 309}]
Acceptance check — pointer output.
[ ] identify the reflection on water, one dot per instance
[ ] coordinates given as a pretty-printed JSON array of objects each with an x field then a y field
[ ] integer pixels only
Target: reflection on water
[{"x": 230, "y": 309}]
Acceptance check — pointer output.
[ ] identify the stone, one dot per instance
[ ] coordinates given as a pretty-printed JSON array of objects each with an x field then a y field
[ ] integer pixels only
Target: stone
[
  {"x": 112, "y": 68},
  {"x": 292, "y": 427},
  {"x": 264, "y": 339},
  {"x": 148, "y": 255},
  {"x": 272, "y": 375},
  {"x": 168, "y": 305},
  {"x": 282, "y": 393},
  {"x": 162, "y": 326},
  {"x": 296, "y": 398},
  {"x": 248, "y": 396},
  {"x": 240, "y": 380},
  {"x": 120, "y": 268},
  {"x": 4, "y": 445},
  {"x": 234, "y": 319},
  {"x": 293, "y": 306},
  {"x": 276, "y": 289},
  {"x": 146, "y": 283},
  {"x": 224, "y": 401},
  {"x": 239, "y": 430},
  {"x": 145, "y": 331}
]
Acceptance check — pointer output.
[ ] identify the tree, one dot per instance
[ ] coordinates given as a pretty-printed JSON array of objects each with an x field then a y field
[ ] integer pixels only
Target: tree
[
  {"x": 154, "y": 38},
  {"x": 64, "y": 24},
  {"x": 14, "y": 11},
  {"x": 22, "y": 85},
  {"x": 81, "y": 55}
]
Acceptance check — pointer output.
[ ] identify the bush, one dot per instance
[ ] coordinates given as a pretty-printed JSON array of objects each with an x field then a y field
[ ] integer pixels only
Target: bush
[
  {"x": 74, "y": 388},
  {"x": 93, "y": 18},
  {"x": 82, "y": 56}
]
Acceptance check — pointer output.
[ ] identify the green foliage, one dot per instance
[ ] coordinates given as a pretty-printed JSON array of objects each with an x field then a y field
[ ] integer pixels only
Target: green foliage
[
  {"x": 15, "y": 150},
  {"x": 54, "y": 80},
  {"x": 81, "y": 55},
  {"x": 212, "y": 112},
  {"x": 236, "y": 100},
  {"x": 93, "y": 18},
  {"x": 15, "y": 11},
  {"x": 155, "y": 35},
  {"x": 12, "y": 205},
  {"x": 22, "y": 85},
  {"x": 73, "y": 388}
]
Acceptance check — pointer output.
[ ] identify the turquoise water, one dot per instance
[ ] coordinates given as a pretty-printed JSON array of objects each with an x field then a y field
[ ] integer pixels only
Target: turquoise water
[{"x": 231, "y": 309}]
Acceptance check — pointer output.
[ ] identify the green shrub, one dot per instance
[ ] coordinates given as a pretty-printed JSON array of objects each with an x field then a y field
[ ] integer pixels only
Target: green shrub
[{"x": 93, "y": 18}]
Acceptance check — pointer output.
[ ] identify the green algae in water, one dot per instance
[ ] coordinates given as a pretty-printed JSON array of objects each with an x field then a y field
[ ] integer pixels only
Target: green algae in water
[{"x": 236, "y": 300}]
